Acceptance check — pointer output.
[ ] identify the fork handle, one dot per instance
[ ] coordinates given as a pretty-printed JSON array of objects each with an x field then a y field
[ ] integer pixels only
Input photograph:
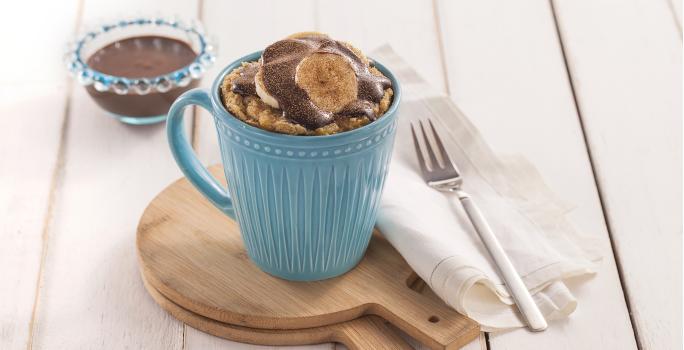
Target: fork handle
[{"x": 522, "y": 297}]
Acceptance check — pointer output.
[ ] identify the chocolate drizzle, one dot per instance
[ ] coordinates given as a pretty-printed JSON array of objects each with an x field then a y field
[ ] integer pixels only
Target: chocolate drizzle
[
  {"x": 359, "y": 107},
  {"x": 244, "y": 84},
  {"x": 279, "y": 64}
]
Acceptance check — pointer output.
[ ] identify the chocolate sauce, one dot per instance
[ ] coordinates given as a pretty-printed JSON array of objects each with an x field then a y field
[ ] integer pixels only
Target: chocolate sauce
[
  {"x": 279, "y": 63},
  {"x": 141, "y": 57},
  {"x": 244, "y": 84},
  {"x": 359, "y": 107}
]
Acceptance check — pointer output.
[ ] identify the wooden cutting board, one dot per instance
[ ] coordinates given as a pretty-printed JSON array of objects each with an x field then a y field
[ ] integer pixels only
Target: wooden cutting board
[
  {"x": 193, "y": 255},
  {"x": 367, "y": 332}
]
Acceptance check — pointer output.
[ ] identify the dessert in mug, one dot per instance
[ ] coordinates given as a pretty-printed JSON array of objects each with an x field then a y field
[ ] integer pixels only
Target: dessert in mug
[
  {"x": 305, "y": 205},
  {"x": 308, "y": 84}
]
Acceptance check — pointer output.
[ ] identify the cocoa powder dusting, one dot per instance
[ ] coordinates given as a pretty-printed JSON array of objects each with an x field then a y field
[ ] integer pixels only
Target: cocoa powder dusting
[{"x": 279, "y": 64}]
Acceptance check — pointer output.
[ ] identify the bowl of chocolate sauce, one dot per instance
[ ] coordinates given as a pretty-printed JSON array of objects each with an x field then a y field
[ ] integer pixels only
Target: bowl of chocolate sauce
[{"x": 134, "y": 69}]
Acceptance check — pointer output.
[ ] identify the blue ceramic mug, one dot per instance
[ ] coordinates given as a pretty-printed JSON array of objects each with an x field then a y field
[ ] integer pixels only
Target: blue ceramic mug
[{"x": 306, "y": 205}]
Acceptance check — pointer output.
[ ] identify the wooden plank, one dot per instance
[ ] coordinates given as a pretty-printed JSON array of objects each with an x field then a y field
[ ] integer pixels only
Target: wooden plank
[
  {"x": 30, "y": 56},
  {"x": 91, "y": 294},
  {"x": 676, "y": 9},
  {"x": 629, "y": 92},
  {"x": 275, "y": 19},
  {"x": 506, "y": 73},
  {"x": 195, "y": 339},
  {"x": 33, "y": 93},
  {"x": 408, "y": 26},
  {"x": 26, "y": 185},
  {"x": 417, "y": 40}
]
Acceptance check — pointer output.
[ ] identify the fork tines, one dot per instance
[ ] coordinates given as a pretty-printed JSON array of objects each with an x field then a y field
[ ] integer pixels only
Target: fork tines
[{"x": 440, "y": 152}]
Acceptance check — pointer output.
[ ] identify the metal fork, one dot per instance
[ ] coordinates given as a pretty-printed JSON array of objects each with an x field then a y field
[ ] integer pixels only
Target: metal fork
[{"x": 446, "y": 177}]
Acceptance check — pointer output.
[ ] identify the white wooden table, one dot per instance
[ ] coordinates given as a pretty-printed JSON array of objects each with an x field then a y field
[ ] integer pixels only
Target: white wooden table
[{"x": 589, "y": 90}]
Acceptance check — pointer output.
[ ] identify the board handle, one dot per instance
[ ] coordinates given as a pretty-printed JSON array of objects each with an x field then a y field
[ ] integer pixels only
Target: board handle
[
  {"x": 369, "y": 332},
  {"x": 430, "y": 321}
]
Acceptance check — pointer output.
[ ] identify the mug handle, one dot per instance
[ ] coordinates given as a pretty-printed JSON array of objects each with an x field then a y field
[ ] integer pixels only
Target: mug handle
[{"x": 185, "y": 156}]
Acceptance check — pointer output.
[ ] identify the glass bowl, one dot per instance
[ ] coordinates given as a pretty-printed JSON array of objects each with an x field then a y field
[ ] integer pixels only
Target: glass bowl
[{"x": 139, "y": 100}]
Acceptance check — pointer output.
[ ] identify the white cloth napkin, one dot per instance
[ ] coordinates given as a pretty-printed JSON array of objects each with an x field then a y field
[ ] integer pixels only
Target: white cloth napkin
[{"x": 432, "y": 232}]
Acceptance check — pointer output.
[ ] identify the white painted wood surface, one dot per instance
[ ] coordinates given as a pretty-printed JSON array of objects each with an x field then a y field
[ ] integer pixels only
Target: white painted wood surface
[
  {"x": 32, "y": 103},
  {"x": 28, "y": 56},
  {"x": 276, "y": 19},
  {"x": 25, "y": 187},
  {"x": 91, "y": 294},
  {"x": 676, "y": 8},
  {"x": 506, "y": 72},
  {"x": 627, "y": 75},
  {"x": 501, "y": 62}
]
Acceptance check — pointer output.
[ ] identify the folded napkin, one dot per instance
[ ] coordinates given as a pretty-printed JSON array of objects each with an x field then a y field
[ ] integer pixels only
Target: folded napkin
[{"x": 432, "y": 232}]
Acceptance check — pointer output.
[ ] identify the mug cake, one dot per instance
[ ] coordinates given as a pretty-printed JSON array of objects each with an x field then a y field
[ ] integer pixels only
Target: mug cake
[{"x": 308, "y": 84}]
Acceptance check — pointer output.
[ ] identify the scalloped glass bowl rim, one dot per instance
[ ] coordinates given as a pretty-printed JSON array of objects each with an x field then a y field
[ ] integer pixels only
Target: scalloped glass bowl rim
[{"x": 130, "y": 82}]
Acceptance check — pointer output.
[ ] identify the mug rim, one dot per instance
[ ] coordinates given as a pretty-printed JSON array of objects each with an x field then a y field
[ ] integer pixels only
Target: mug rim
[{"x": 233, "y": 121}]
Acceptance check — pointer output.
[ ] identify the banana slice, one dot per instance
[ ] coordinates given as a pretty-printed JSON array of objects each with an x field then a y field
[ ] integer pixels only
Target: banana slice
[
  {"x": 262, "y": 92},
  {"x": 328, "y": 79}
]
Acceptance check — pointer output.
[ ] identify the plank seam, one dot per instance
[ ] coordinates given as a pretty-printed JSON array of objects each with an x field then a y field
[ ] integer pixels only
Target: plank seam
[
  {"x": 673, "y": 12},
  {"x": 440, "y": 45},
  {"x": 445, "y": 82},
  {"x": 594, "y": 172},
  {"x": 194, "y": 137},
  {"x": 194, "y": 127},
  {"x": 183, "y": 334},
  {"x": 55, "y": 180}
]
